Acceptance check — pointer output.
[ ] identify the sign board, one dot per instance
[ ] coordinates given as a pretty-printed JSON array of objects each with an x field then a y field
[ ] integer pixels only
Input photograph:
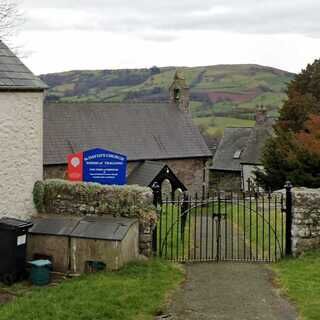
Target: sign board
[
  {"x": 98, "y": 165},
  {"x": 75, "y": 166}
]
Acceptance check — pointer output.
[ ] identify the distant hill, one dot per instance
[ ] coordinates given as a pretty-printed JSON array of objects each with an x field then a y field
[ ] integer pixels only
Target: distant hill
[{"x": 222, "y": 91}]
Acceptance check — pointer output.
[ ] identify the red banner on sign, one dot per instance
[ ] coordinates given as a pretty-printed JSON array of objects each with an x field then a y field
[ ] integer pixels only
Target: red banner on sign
[{"x": 75, "y": 166}]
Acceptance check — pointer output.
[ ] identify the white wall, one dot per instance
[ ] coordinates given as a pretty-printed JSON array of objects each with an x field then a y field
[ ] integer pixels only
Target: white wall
[
  {"x": 248, "y": 172},
  {"x": 20, "y": 151}
]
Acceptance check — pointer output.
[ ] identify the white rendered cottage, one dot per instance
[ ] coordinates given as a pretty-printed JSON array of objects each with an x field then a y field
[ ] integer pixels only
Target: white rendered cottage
[{"x": 21, "y": 110}]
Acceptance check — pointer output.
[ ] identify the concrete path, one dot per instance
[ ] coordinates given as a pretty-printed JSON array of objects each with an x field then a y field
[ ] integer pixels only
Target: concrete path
[
  {"x": 232, "y": 245},
  {"x": 229, "y": 291}
]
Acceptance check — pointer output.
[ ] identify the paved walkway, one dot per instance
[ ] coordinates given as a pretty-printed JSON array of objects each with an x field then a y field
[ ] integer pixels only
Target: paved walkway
[
  {"x": 231, "y": 242},
  {"x": 229, "y": 291}
]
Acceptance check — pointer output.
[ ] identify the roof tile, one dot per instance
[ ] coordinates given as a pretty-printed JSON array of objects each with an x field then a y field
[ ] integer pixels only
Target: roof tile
[
  {"x": 14, "y": 75},
  {"x": 233, "y": 139},
  {"x": 142, "y": 131}
]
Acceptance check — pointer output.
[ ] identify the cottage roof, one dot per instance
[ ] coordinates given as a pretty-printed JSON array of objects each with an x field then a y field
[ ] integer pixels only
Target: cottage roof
[
  {"x": 256, "y": 142},
  {"x": 231, "y": 146},
  {"x": 142, "y": 131},
  {"x": 241, "y": 146},
  {"x": 14, "y": 75}
]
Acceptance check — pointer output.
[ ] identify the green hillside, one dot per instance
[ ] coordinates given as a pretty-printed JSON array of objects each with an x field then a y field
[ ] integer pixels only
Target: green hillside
[{"x": 222, "y": 91}]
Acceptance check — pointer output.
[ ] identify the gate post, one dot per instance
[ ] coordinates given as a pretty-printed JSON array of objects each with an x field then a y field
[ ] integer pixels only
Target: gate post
[
  {"x": 156, "y": 189},
  {"x": 288, "y": 187}
]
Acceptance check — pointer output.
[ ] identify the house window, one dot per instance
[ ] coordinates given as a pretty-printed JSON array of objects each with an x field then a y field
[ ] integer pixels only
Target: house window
[{"x": 237, "y": 154}]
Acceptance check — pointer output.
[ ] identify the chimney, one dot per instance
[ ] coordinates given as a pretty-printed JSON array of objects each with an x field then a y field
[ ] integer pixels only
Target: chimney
[
  {"x": 179, "y": 92},
  {"x": 261, "y": 115}
]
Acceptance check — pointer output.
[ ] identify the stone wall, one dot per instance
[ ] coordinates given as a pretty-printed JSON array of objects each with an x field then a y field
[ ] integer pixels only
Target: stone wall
[
  {"x": 225, "y": 180},
  {"x": 306, "y": 220},
  {"x": 58, "y": 171},
  {"x": 21, "y": 151},
  {"x": 193, "y": 173},
  {"x": 61, "y": 197},
  {"x": 190, "y": 171}
]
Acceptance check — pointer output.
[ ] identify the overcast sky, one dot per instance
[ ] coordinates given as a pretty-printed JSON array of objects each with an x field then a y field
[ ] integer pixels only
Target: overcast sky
[{"x": 61, "y": 35}]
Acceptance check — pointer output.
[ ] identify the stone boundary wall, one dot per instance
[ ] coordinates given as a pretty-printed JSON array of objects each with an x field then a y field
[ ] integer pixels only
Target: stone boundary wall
[
  {"x": 61, "y": 197},
  {"x": 306, "y": 220}
]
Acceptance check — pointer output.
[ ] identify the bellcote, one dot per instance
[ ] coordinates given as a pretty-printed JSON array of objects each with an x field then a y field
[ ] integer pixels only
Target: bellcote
[
  {"x": 261, "y": 115},
  {"x": 179, "y": 92}
]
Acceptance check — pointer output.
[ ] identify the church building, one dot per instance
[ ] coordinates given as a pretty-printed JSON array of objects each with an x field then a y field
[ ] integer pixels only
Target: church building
[{"x": 143, "y": 131}]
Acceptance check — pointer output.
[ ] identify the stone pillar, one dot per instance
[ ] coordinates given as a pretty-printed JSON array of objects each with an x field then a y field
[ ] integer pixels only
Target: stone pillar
[
  {"x": 306, "y": 220},
  {"x": 145, "y": 239}
]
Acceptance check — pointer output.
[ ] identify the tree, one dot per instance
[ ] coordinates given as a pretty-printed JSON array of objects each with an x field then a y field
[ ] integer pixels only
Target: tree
[
  {"x": 303, "y": 98},
  {"x": 293, "y": 153},
  {"x": 10, "y": 19},
  {"x": 154, "y": 70},
  {"x": 310, "y": 137},
  {"x": 203, "y": 128}
]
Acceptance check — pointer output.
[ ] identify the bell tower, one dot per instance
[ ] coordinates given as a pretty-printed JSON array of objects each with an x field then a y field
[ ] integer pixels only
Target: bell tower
[
  {"x": 261, "y": 115},
  {"x": 179, "y": 92}
]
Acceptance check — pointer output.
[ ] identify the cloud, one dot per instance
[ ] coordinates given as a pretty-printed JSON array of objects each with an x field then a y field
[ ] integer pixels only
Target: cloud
[
  {"x": 158, "y": 37},
  {"x": 102, "y": 34},
  {"x": 141, "y": 16}
]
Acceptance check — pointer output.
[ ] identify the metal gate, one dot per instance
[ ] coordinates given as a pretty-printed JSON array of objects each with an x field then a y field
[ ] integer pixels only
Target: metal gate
[{"x": 224, "y": 226}]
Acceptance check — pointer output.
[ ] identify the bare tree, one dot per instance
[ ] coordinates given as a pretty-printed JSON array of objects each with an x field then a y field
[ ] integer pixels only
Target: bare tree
[{"x": 10, "y": 19}]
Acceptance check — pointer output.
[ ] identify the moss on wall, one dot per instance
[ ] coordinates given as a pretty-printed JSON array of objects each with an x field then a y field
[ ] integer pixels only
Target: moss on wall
[{"x": 55, "y": 196}]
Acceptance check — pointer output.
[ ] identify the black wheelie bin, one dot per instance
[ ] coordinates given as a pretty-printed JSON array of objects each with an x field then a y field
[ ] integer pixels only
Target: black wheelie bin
[{"x": 13, "y": 247}]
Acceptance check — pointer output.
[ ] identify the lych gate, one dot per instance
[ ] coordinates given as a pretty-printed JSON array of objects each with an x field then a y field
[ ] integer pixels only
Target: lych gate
[
  {"x": 224, "y": 226},
  {"x": 155, "y": 174}
]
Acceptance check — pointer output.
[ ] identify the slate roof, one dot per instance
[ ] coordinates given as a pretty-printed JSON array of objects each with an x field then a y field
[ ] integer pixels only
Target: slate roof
[
  {"x": 14, "y": 75},
  {"x": 150, "y": 171},
  {"x": 256, "y": 142},
  {"x": 145, "y": 173},
  {"x": 233, "y": 139},
  {"x": 142, "y": 131},
  {"x": 249, "y": 140}
]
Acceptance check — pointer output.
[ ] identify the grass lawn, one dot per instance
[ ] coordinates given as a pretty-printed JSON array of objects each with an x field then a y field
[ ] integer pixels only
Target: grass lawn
[
  {"x": 137, "y": 292},
  {"x": 172, "y": 242},
  {"x": 300, "y": 280},
  {"x": 218, "y": 124},
  {"x": 264, "y": 230}
]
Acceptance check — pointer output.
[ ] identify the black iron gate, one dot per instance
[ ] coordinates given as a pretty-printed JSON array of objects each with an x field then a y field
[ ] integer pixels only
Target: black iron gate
[{"x": 224, "y": 226}]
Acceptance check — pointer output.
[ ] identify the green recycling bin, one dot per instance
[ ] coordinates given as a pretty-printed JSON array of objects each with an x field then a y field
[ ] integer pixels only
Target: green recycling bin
[{"x": 40, "y": 272}]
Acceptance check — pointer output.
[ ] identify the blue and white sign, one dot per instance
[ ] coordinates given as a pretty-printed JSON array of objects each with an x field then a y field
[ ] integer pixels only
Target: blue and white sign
[{"x": 105, "y": 167}]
